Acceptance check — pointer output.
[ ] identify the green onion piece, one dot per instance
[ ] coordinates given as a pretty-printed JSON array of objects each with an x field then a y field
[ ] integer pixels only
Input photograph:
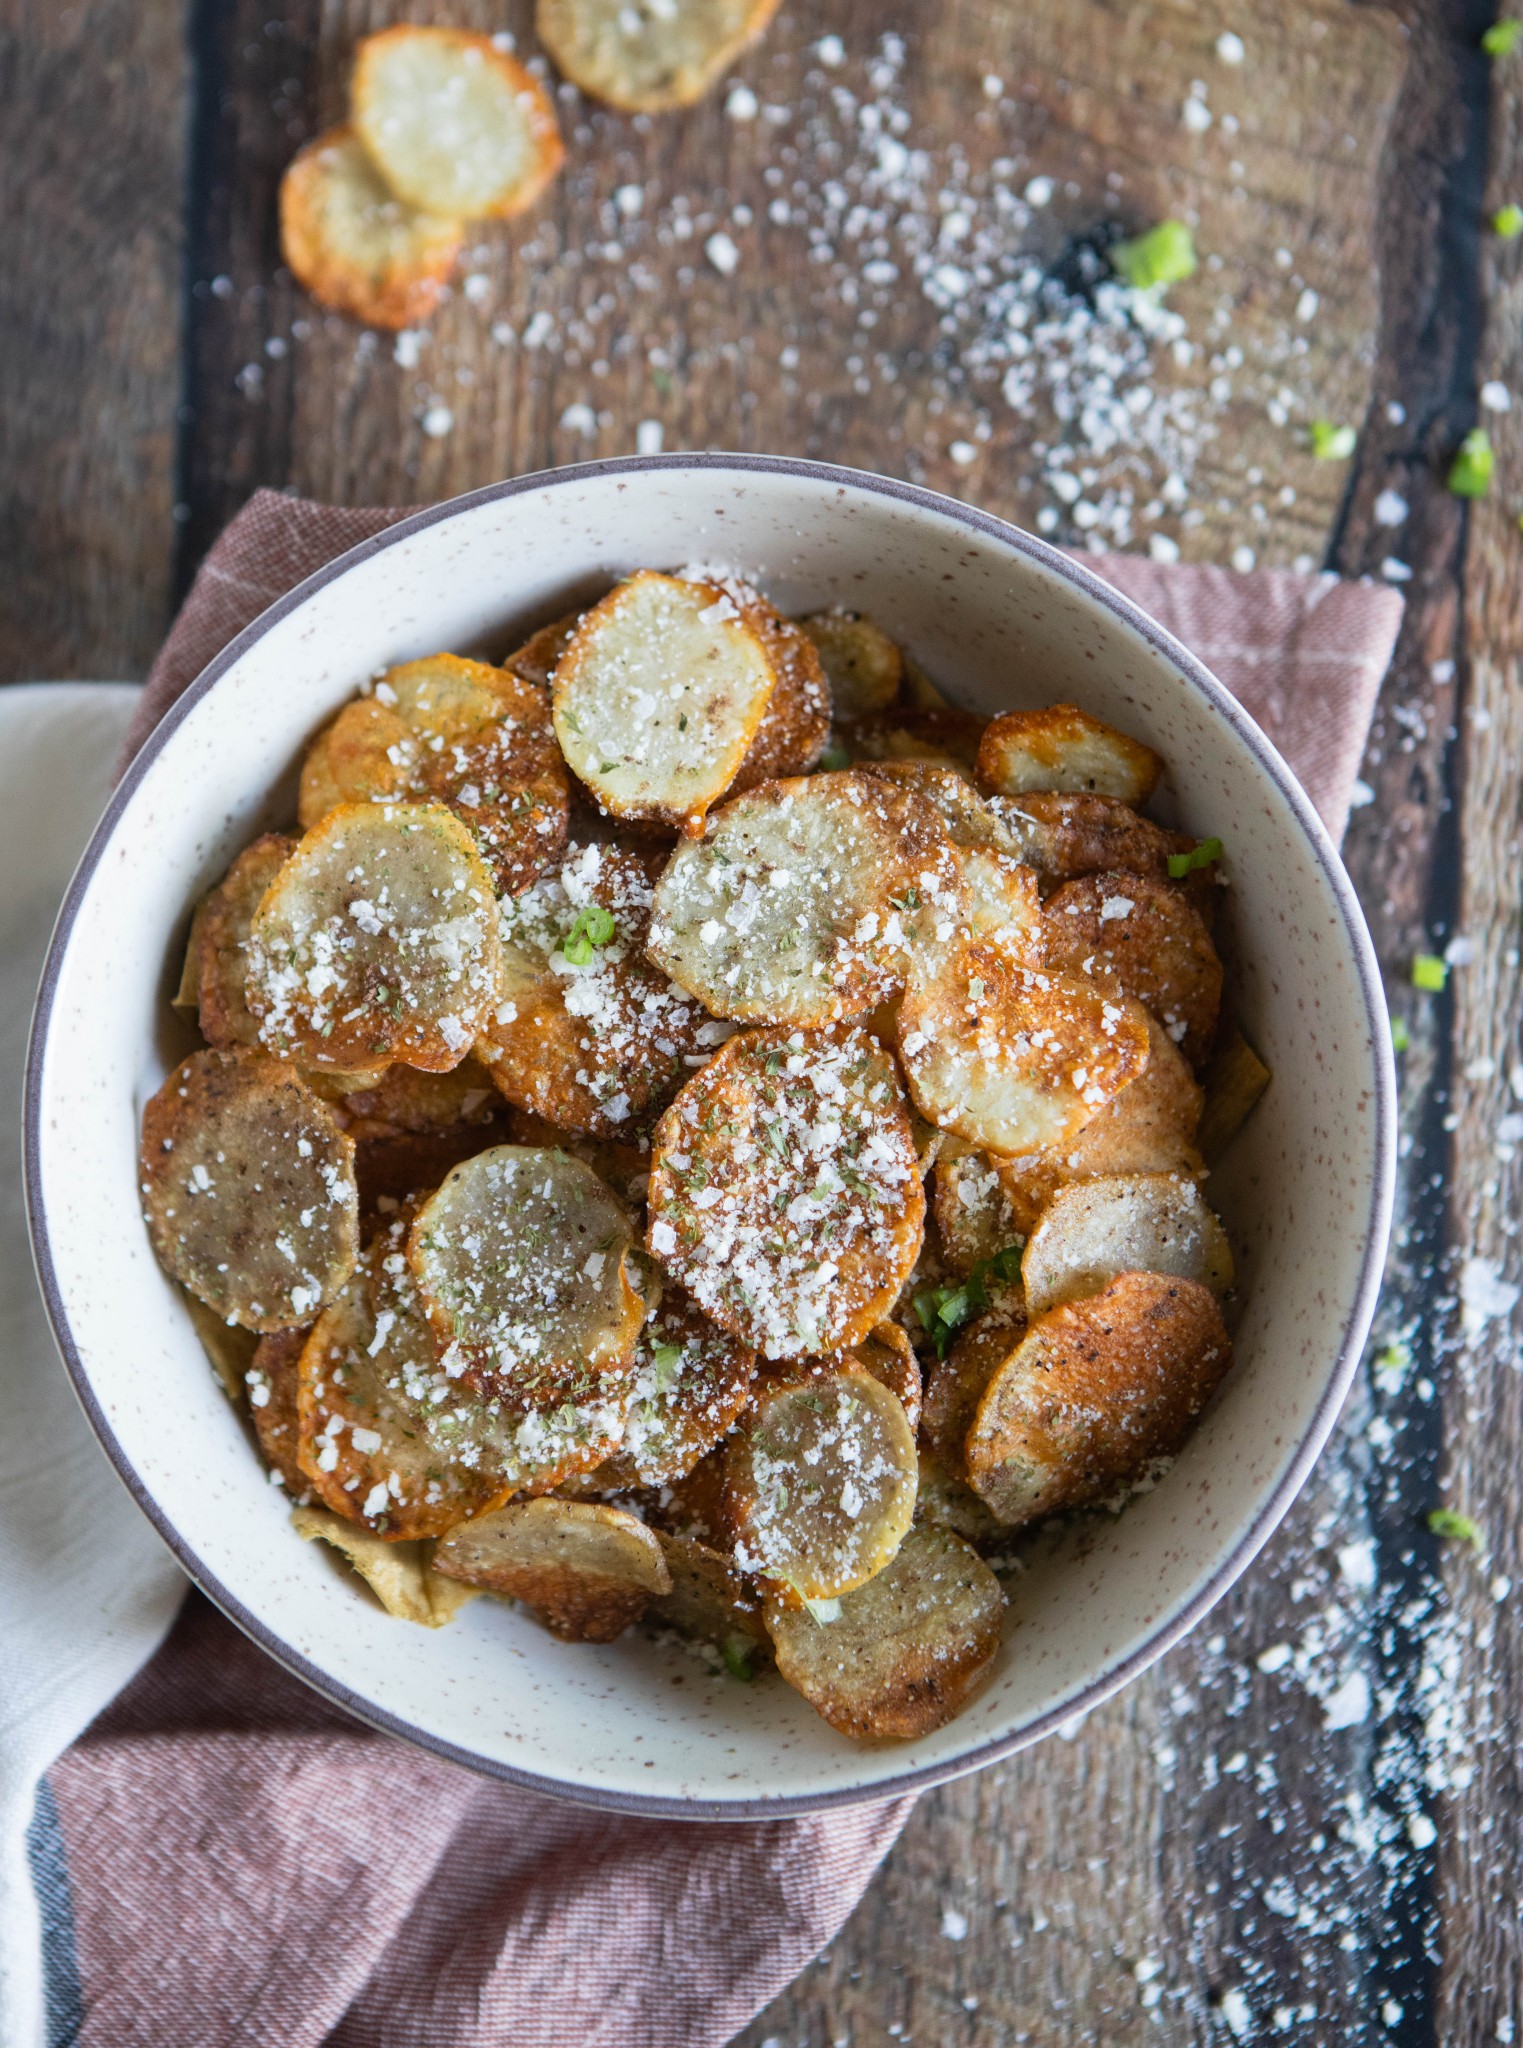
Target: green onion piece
[
  {"x": 1206, "y": 855},
  {"x": 737, "y": 1652},
  {"x": 943, "y": 1311},
  {"x": 1429, "y": 972},
  {"x": 594, "y": 926},
  {"x": 1470, "y": 472},
  {"x": 1507, "y": 221},
  {"x": 823, "y": 1611},
  {"x": 1502, "y": 38},
  {"x": 1330, "y": 442},
  {"x": 1445, "y": 1522},
  {"x": 1401, "y": 1036},
  {"x": 1396, "y": 1356},
  {"x": 1165, "y": 255},
  {"x": 835, "y": 757}
]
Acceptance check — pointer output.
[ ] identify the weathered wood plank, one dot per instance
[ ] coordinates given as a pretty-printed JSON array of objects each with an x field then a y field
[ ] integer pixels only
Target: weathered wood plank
[{"x": 93, "y": 105}]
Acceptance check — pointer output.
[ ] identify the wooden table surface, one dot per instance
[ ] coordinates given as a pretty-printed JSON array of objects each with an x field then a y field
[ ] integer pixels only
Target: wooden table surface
[{"x": 1212, "y": 1856}]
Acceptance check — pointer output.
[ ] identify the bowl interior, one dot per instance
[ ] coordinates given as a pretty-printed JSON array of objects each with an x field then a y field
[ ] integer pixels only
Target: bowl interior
[{"x": 1001, "y": 624}]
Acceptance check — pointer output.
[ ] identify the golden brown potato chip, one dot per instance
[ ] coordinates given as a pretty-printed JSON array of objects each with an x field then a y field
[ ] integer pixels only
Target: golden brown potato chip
[
  {"x": 949, "y": 739},
  {"x": 955, "y": 1384},
  {"x": 1067, "y": 833},
  {"x": 272, "y": 1381},
  {"x": 587, "y": 1033},
  {"x": 248, "y": 1189},
  {"x": 1094, "y": 1230},
  {"x": 711, "y": 1602},
  {"x": 822, "y": 1474},
  {"x": 969, "y": 819},
  {"x": 784, "y": 1192},
  {"x": 974, "y": 1216},
  {"x": 1094, "y": 1393},
  {"x": 907, "y": 1650},
  {"x": 658, "y": 696},
  {"x": 587, "y": 1570},
  {"x": 454, "y": 125},
  {"x": 690, "y": 1381},
  {"x": 648, "y": 56},
  {"x": 1015, "y": 1059},
  {"x": 1140, "y": 936},
  {"x": 353, "y": 245},
  {"x": 1061, "y": 747},
  {"x": 224, "y": 922},
  {"x": 406, "y": 1101},
  {"x": 535, "y": 661},
  {"x": 863, "y": 666},
  {"x": 377, "y": 942},
  {"x": 1004, "y": 905},
  {"x": 365, "y": 754},
  {"x": 796, "y": 723},
  {"x": 397, "y": 1573},
  {"x": 809, "y": 900},
  {"x": 229, "y": 1349},
  {"x": 523, "y": 1260},
  {"x": 1234, "y": 1081},
  {"x": 887, "y": 1353},
  {"x": 1149, "y": 1127},
  {"x": 187, "y": 995}
]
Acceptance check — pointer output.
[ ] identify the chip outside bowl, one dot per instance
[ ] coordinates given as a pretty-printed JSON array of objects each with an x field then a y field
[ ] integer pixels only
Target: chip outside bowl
[{"x": 1004, "y": 622}]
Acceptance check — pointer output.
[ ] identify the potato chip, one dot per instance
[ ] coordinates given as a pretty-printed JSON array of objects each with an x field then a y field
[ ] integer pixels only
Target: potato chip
[
  {"x": 907, "y": 1650},
  {"x": 377, "y": 941},
  {"x": 224, "y": 922},
  {"x": 690, "y": 1381},
  {"x": 974, "y": 1215},
  {"x": 784, "y": 1191},
  {"x": 248, "y": 1189},
  {"x": 1067, "y": 833},
  {"x": 365, "y": 755},
  {"x": 796, "y": 723},
  {"x": 947, "y": 739},
  {"x": 921, "y": 692},
  {"x": 1140, "y": 936},
  {"x": 1095, "y": 1230},
  {"x": 587, "y": 1033},
  {"x": 947, "y": 1502},
  {"x": 955, "y": 1384},
  {"x": 1061, "y": 747},
  {"x": 187, "y": 995},
  {"x": 406, "y": 1101},
  {"x": 863, "y": 666},
  {"x": 698, "y": 1504},
  {"x": 397, "y": 1573},
  {"x": 1004, "y": 906},
  {"x": 535, "y": 661},
  {"x": 1095, "y": 1392},
  {"x": 586, "y": 1570},
  {"x": 887, "y": 1353},
  {"x": 711, "y": 1602},
  {"x": 271, "y": 1381},
  {"x": 658, "y": 696},
  {"x": 617, "y": 1162},
  {"x": 1234, "y": 1081},
  {"x": 523, "y": 1260},
  {"x": 809, "y": 900},
  {"x": 822, "y": 1473},
  {"x": 969, "y": 819},
  {"x": 1149, "y": 1127},
  {"x": 648, "y": 56},
  {"x": 356, "y": 247},
  {"x": 1015, "y": 1059},
  {"x": 454, "y": 124}
]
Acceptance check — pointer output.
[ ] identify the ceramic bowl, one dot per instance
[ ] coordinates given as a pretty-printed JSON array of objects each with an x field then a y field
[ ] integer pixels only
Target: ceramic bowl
[{"x": 1003, "y": 621}]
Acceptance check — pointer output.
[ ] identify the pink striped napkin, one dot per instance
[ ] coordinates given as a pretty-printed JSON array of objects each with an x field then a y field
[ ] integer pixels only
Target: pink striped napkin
[{"x": 226, "y": 1859}]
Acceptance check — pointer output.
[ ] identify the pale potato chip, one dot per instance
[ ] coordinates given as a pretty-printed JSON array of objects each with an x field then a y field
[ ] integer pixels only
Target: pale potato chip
[
  {"x": 1094, "y": 1394},
  {"x": 690, "y": 1381},
  {"x": 535, "y": 661},
  {"x": 523, "y": 1261},
  {"x": 822, "y": 1474},
  {"x": 248, "y": 1189},
  {"x": 658, "y": 696},
  {"x": 947, "y": 1502},
  {"x": 1004, "y": 905},
  {"x": 1149, "y": 1127},
  {"x": 711, "y": 1602},
  {"x": 1015, "y": 1059},
  {"x": 454, "y": 124},
  {"x": 229, "y": 1349},
  {"x": 1140, "y": 936},
  {"x": 907, "y": 1651},
  {"x": 784, "y": 1191},
  {"x": 587, "y": 1033},
  {"x": 1234, "y": 1081},
  {"x": 224, "y": 921},
  {"x": 1064, "y": 748},
  {"x": 648, "y": 56},
  {"x": 397, "y": 1573},
  {"x": 809, "y": 900},
  {"x": 356, "y": 247},
  {"x": 887, "y": 1353},
  {"x": 970, "y": 820},
  {"x": 377, "y": 942},
  {"x": 863, "y": 666},
  {"x": 974, "y": 1215},
  {"x": 586, "y": 1570},
  {"x": 1095, "y": 1230},
  {"x": 271, "y": 1381}
]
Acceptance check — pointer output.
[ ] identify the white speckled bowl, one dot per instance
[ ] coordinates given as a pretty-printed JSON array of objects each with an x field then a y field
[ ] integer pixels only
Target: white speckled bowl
[{"x": 1003, "y": 621}]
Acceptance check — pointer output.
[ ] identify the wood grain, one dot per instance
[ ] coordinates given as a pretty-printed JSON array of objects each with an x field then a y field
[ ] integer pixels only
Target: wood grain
[{"x": 92, "y": 170}]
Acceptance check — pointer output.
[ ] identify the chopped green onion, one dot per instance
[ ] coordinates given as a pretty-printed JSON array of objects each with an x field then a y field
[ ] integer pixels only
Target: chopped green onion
[
  {"x": 1445, "y": 1522},
  {"x": 1429, "y": 972},
  {"x": 594, "y": 926},
  {"x": 1507, "y": 221},
  {"x": 737, "y": 1652},
  {"x": 1502, "y": 38},
  {"x": 1165, "y": 255},
  {"x": 1401, "y": 1036},
  {"x": 834, "y": 757},
  {"x": 944, "y": 1310},
  {"x": 1470, "y": 471},
  {"x": 1396, "y": 1356},
  {"x": 1206, "y": 855},
  {"x": 1330, "y": 442},
  {"x": 823, "y": 1611}
]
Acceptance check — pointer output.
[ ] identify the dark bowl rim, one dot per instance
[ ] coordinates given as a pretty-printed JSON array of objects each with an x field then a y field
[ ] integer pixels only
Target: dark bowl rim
[{"x": 1115, "y": 1674}]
